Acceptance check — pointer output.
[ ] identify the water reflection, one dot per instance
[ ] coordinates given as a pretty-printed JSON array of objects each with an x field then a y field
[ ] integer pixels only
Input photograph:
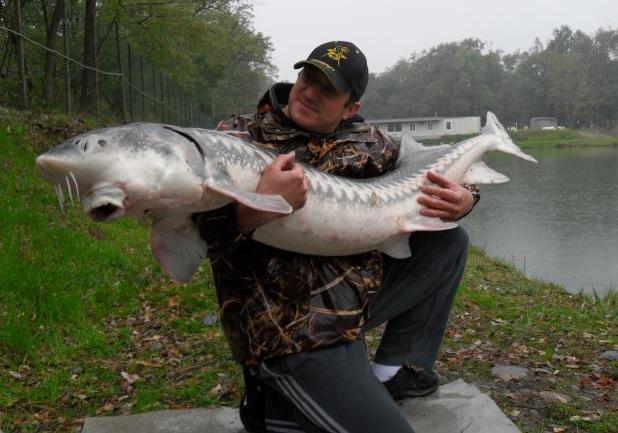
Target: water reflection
[{"x": 557, "y": 220}]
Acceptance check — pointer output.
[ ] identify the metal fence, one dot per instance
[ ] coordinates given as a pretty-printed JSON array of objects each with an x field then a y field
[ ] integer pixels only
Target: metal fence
[{"x": 127, "y": 85}]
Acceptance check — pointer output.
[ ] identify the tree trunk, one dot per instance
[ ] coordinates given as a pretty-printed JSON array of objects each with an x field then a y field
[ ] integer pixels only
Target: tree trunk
[
  {"x": 52, "y": 33},
  {"x": 88, "y": 75}
]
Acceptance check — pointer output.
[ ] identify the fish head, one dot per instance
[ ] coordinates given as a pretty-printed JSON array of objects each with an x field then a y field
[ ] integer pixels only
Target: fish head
[{"x": 124, "y": 170}]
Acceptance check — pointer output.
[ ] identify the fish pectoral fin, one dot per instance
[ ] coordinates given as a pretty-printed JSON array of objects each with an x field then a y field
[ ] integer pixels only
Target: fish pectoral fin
[
  {"x": 419, "y": 223},
  {"x": 262, "y": 202},
  {"x": 178, "y": 247},
  {"x": 479, "y": 173},
  {"x": 398, "y": 248}
]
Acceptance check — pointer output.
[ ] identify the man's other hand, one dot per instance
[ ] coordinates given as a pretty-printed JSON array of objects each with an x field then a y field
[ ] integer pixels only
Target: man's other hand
[
  {"x": 446, "y": 200},
  {"x": 285, "y": 177}
]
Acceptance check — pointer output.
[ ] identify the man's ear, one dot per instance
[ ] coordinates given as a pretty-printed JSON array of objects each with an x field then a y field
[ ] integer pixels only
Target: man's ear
[{"x": 352, "y": 110}]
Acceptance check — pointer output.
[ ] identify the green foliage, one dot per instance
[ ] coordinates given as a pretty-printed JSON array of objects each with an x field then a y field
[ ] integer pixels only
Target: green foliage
[
  {"x": 209, "y": 48},
  {"x": 573, "y": 78}
]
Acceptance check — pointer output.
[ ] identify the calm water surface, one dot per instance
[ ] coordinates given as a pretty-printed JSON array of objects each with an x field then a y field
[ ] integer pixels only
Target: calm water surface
[{"x": 557, "y": 220}]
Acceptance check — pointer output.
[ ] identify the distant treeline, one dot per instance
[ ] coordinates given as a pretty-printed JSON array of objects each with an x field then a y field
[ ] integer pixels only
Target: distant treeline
[
  {"x": 205, "y": 49},
  {"x": 573, "y": 77}
]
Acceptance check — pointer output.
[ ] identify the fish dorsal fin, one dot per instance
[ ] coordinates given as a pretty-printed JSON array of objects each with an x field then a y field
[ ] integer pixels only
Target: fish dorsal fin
[
  {"x": 411, "y": 152},
  {"x": 262, "y": 202},
  {"x": 480, "y": 173},
  {"x": 177, "y": 246}
]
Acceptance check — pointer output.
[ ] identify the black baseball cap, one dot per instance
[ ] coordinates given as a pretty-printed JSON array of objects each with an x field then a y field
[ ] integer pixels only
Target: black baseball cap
[{"x": 344, "y": 65}]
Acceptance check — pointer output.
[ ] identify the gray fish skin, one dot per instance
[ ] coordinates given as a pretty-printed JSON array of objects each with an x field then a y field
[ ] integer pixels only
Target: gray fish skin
[{"x": 171, "y": 172}]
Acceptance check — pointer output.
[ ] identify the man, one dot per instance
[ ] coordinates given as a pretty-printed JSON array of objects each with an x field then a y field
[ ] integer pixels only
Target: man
[{"x": 294, "y": 321}]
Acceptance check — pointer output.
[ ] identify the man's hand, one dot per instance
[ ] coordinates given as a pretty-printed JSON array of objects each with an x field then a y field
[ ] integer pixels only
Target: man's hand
[
  {"x": 285, "y": 177},
  {"x": 448, "y": 200}
]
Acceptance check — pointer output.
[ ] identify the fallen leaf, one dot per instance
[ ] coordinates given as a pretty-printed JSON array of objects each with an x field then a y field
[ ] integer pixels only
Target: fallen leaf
[
  {"x": 130, "y": 378},
  {"x": 15, "y": 375},
  {"x": 215, "y": 391}
]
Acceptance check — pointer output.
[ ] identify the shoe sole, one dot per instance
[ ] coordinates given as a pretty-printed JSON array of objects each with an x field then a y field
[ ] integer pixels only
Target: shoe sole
[{"x": 414, "y": 394}]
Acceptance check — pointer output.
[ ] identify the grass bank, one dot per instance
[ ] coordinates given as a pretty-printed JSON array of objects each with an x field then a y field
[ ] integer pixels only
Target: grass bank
[
  {"x": 543, "y": 139},
  {"x": 561, "y": 138},
  {"x": 89, "y": 325}
]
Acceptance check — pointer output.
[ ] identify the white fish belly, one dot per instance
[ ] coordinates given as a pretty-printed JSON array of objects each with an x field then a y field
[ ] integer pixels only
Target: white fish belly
[{"x": 327, "y": 228}]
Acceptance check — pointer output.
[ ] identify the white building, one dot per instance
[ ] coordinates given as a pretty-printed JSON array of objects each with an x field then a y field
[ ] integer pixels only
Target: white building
[{"x": 429, "y": 127}]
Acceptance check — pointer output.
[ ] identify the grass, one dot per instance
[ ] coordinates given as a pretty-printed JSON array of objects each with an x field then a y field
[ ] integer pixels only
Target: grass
[
  {"x": 560, "y": 138},
  {"x": 527, "y": 139},
  {"x": 89, "y": 326}
]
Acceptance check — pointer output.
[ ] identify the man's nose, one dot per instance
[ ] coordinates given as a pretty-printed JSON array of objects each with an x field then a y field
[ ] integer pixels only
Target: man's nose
[{"x": 313, "y": 91}]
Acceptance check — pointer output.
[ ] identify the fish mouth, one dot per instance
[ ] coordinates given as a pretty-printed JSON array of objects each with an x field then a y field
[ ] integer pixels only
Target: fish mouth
[{"x": 105, "y": 204}]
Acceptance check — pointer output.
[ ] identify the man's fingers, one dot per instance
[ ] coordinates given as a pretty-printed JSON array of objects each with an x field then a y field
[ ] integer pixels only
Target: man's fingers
[
  {"x": 436, "y": 204},
  {"x": 443, "y": 215},
  {"x": 439, "y": 180},
  {"x": 443, "y": 193},
  {"x": 285, "y": 161},
  {"x": 297, "y": 171}
]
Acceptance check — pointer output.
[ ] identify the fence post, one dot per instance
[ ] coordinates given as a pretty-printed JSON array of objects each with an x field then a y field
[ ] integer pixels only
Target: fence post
[
  {"x": 130, "y": 61},
  {"x": 141, "y": 64},
  {"x": 121, "y": 78},
  {"x": 162, "y": 97},
  {"x": 21, "y": 63},
  {"x": 155, "y": 103},
  {"x": 67, "y": 67},
  {"x": 96, "y": 69}
]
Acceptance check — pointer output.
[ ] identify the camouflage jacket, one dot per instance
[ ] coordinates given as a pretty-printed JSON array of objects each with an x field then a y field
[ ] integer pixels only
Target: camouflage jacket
[{"x": 276, "y": 302}]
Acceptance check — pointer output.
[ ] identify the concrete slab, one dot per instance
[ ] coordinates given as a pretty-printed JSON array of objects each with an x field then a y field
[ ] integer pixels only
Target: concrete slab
[
  {"x": 217, "y": 420},
  {"x": 456, "y": 407}
]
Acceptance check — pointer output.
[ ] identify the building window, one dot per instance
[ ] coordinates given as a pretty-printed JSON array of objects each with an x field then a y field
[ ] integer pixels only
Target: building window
[
  {"x": 394, "y": 127},
  {"x": 430, "y": 126},
  {"x": 412, "y": 126},
  {"x": 449, "y": 126}
]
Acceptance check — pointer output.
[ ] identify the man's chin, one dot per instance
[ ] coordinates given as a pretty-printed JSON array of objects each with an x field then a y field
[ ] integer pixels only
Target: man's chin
[{"x": 303, "y": 118}]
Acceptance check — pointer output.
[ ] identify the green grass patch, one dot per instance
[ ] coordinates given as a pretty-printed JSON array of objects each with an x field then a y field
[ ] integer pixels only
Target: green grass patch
[{"x": 559, "y": 138}]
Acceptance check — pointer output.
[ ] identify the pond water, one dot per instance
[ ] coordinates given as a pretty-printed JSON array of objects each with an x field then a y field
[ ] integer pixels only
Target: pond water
[{"x": 556, "y": 220}]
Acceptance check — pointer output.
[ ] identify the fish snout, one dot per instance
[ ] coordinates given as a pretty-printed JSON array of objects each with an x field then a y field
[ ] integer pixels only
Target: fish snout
[{"x": 52, "y": 169}]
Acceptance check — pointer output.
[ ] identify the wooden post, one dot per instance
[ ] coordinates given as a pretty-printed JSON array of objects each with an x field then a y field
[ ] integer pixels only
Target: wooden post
[
  {"x": 162, "y": 97},
  {"x": 21, "y": 63},
  {"x": 96, "y": 70},
  {"x": 121, "y": 78},
  {"x": 155, "y": 105},
  {"x": 130, "y": 62},
  {"x": 141, "y": 64},
  {"x": 67, "y": 67}
]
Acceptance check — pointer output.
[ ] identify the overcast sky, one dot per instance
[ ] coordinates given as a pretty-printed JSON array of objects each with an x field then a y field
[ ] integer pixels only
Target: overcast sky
[{"x": 388, "y": 30}]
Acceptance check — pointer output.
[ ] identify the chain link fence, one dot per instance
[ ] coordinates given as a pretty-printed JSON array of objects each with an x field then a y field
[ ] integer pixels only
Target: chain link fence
[{"x": 126, "y": 85}]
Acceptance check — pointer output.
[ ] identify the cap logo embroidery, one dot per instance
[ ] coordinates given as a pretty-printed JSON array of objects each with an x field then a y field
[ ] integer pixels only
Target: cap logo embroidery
[{"x": 337, "y": 53}]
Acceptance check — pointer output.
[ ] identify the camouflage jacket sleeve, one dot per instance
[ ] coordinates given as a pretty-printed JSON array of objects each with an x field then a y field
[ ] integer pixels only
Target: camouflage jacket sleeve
[
  {"x": 219, "y": 229},
  {"x": 476, "y": 196}
]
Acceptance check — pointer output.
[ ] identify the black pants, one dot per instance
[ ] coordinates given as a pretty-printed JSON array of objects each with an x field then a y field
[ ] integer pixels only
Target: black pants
[{"x": 334, "y": 389}]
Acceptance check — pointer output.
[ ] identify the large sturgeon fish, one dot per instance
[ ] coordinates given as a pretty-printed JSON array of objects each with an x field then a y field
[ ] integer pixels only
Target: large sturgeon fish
[{"x": 171, "y": 172}]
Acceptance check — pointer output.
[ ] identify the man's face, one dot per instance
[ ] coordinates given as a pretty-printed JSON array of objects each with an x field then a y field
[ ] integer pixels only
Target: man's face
[{"x": 316, "y": 105}]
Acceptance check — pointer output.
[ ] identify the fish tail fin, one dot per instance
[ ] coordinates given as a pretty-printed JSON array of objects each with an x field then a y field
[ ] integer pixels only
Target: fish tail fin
[{"x": 505, "y": 144}]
